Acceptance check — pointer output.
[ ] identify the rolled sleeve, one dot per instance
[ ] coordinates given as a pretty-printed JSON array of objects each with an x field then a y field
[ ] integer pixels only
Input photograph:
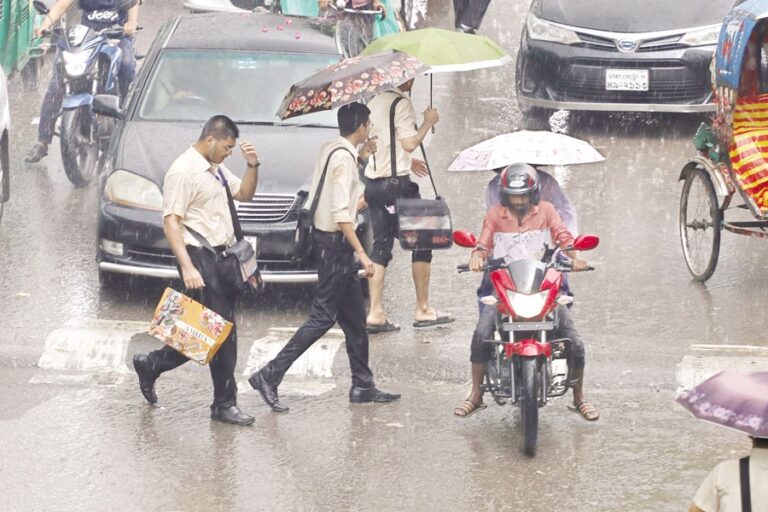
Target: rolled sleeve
[
  {"x": 706, "y": 497},
  {"x": 177, "y": 194},
  {"x": 405, "y": 120},
  {"x": 341, "y": 188}
]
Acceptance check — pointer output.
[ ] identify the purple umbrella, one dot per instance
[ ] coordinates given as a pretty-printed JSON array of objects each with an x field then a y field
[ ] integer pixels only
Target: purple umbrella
[{"x": 738, "y": 400}]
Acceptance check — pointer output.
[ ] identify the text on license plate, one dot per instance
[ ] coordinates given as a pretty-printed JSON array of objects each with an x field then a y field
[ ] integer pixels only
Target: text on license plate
[{"x": 626, "y": 80}]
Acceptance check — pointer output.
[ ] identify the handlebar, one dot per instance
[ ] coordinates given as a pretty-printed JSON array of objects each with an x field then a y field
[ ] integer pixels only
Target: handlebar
[
  {"x": 115, "y": 29},
  {"x": 499, "y": 263}
]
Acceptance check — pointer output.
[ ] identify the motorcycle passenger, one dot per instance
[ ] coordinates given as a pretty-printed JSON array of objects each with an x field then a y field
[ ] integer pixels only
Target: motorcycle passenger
[
  {"x": 520, "y": 211},
  {"x": 96, "y": 15}
]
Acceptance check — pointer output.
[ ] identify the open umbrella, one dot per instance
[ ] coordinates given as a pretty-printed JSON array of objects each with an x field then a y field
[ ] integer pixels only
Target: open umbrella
[
  {"x": 347, "y": 81},
  {"x": 530, "y": 147},
  {"x": 737, "y": 400},
  {"x": 443, "y": 50}
]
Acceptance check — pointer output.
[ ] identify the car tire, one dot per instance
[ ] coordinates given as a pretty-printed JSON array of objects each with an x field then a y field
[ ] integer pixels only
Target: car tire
[{"x": 113, "y": 280}]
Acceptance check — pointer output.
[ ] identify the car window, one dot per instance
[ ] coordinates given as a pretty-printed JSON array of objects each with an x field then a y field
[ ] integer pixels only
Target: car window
[{"x": 193, "y": 85}]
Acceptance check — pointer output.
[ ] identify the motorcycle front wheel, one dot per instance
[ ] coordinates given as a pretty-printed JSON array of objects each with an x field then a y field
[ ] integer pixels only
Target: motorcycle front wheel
[
  {"x": 79, "y": 145},
  {"x": 529, "y": 404}
]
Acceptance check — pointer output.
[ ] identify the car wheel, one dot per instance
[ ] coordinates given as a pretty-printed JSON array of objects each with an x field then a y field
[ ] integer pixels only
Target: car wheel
[{"x": 114, "y": 281}]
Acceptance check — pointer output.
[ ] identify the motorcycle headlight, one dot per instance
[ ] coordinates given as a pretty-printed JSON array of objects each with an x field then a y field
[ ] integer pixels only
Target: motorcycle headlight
[
  {"x": 527, "y": 306},
  {"x": 543, "y": 30},
  {"x": 707, "y": 36},
  {"x": 75, "y": 64},
  {"x": 130, "y": 189}
]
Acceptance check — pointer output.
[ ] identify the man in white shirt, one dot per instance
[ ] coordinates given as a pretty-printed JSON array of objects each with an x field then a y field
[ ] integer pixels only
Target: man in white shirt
[
  {"x": 194, "y": 198},
  {"x": 721, "y": 489},
  {"x": 339, "y": 295}
]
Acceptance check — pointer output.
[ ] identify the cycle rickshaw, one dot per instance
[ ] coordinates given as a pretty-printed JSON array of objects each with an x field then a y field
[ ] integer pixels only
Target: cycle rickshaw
[{"x": 733, "y": 151}]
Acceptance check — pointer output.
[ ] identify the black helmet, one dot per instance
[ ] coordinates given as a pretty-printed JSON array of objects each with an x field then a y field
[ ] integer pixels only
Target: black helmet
[{"x": 517, "y": 180}]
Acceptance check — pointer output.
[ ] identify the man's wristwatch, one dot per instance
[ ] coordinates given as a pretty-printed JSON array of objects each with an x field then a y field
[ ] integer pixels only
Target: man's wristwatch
[{"x": 254, "y": 166}]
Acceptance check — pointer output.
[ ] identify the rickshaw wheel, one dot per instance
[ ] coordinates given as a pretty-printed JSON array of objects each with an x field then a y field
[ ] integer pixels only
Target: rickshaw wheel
[{"x": 700, "y": 225}]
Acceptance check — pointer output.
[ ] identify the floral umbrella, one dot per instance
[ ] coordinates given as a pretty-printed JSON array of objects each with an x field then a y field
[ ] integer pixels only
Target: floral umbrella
[
  {"x": 738, "y": 400},
  {"x": 347, "y": 81}
]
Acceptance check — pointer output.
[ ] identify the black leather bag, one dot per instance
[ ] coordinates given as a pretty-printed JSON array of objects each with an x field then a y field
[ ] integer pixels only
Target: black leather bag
[{"x": 302, "y": 241}]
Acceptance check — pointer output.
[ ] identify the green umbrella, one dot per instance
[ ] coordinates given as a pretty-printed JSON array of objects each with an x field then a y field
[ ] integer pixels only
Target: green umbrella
[{"x": 443, "y": 50}]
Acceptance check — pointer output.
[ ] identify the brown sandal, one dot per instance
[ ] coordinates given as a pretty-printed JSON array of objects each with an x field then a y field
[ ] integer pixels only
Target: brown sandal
[
  {"x": 467, "y": 408},
  {"x": 587, "y": 410}
]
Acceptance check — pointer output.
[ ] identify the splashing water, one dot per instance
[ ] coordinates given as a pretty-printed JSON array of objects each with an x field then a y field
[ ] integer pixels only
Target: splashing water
[{"x": 559, "y": 121}]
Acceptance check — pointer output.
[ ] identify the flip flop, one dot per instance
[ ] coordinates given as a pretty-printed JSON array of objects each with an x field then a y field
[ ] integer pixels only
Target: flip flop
[
  {"x": 441, "y": 319},
  {"x": 586, "y": 410},
  {"x": 467, "y": 408},
  {"x": 387, "y": 326}
]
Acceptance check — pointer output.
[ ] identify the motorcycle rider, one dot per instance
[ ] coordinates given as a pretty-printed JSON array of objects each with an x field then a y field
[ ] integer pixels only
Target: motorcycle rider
[
  {"x": 96, "y": 15},
  {"x": 520, "y": 211}
]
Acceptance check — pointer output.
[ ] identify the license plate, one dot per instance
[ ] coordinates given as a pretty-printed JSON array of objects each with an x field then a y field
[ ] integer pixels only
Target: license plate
[
  {"x": 626, "y": 80},
  {"x": 254, "y": 243}
]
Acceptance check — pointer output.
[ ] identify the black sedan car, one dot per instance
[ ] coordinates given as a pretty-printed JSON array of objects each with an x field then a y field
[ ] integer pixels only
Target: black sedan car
[
  {"x": 240, "y": 65},
  {"x": 619, "y": 55}
]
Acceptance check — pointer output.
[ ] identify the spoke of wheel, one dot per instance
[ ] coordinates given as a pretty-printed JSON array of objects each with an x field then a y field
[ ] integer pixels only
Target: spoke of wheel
[{"x": 699, "y": 222}]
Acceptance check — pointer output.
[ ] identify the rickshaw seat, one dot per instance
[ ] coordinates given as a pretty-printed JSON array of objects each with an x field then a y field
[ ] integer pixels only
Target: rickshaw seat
[{"x": 749, "y": 150}]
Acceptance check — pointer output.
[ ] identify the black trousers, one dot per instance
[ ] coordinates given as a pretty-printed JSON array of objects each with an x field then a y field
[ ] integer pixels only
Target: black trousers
[
  {"x": 214, "y": 297},
  {"x": 380, "y": 195},
  {"x": 339, "y": 298},
  {"x": 469, "y": 13}
]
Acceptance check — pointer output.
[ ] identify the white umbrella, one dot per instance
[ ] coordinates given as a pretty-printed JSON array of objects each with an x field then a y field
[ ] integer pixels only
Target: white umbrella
[{"x": 536, "y": 148}]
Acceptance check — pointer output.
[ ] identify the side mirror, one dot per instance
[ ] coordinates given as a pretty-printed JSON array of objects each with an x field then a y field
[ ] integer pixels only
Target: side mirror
[
  {"x": 464, "y": 239},
  {"x": 107, "y": 105},
  {"x": 586, "y": 242},
  {"x": 41, "y": 7}
]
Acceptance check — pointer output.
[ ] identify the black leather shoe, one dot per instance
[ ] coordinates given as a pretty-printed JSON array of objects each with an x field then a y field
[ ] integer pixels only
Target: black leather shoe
[
  {"x": 231, "y": 414},
  {"x": 267, "y": 391},
  {"x": 147, "y": 377},
  {"x": 372, "y": 394}
]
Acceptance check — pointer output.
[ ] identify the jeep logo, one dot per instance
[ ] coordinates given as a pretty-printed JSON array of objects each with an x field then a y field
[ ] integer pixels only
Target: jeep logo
[{"x": 103, "y": 16}]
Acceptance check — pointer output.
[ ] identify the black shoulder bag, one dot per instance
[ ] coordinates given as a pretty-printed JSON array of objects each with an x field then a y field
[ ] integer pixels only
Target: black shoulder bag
[
  {"x": 746, "y": 495},
  {"x": 238, "y": 268},
  {"x": 302, "y": 241},
  {"x": 422, "y": 224}
]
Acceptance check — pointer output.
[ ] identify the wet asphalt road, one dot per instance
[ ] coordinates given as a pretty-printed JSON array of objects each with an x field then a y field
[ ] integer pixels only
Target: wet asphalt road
[{"x": 74, "y": 438}]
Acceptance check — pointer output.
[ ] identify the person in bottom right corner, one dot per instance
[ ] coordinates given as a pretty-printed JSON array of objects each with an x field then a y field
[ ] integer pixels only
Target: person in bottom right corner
[{"x": 736, "y": 485}]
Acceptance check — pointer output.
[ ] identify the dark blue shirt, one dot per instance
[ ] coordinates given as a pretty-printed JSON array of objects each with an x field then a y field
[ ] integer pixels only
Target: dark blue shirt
[{"x": 100, "y": 14}]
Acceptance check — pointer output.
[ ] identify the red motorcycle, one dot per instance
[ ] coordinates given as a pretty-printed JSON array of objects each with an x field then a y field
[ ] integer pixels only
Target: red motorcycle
[{"x": 528, "y": 367}]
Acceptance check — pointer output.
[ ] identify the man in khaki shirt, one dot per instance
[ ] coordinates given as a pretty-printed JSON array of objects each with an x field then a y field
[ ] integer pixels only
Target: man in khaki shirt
[
  {"x": 339, "y": 296},
  {"x": 195, "y": 200},
  {"x": 381, "y": 195},
  {"x": 721, "y": 489}
]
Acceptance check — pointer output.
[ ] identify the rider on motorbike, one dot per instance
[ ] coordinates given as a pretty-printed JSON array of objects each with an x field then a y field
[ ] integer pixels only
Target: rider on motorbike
[
  {"x": 97, "y": 15},
  {"x": 520, "y": 211}
]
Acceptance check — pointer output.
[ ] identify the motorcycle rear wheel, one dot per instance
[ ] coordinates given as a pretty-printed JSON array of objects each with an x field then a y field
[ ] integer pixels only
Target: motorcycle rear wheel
[
  {"x": 529, "y": 404},
  {"x": 79, "y": 145}
]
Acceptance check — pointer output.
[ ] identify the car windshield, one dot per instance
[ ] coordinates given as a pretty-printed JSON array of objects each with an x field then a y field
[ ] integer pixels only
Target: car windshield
[{"x": 193, "y": 85}]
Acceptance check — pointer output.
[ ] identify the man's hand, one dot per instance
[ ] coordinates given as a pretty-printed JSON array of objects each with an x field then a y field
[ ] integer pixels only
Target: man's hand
[
  {"x": 367, "y": 264},
  {"x": 192, "y": 278},
  {"x": 249, "y": 153},
  {"x": 130, "y": 28},
  {"x": 476, "y": 261},
  {"x": 431, "y": 117},
  {"x": 377, "y": 5},
  {"x": 369, "y": 148},
  {"x": 419, "y": 168},
  {"x": 578, "y": 264}
]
